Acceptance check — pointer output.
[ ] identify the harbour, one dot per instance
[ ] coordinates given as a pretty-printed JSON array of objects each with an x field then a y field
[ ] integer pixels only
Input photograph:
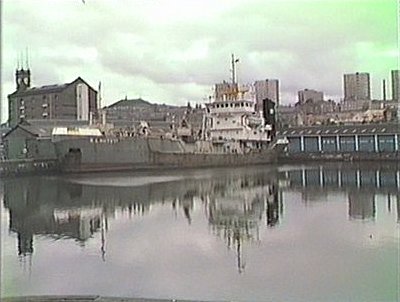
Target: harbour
[
  {"x": 200, "y": 151},
  {"x": 223, "y": 233}
]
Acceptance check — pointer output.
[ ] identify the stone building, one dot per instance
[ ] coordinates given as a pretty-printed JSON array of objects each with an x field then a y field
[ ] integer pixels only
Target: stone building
[{"x": 76, "y": 100}]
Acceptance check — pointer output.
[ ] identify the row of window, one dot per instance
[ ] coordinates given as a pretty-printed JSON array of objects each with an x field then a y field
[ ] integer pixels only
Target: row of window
[
  {"x": 44, "y": 97},
  {"x": 226, "y": 105},
  {"x": 311, "y": 144}
]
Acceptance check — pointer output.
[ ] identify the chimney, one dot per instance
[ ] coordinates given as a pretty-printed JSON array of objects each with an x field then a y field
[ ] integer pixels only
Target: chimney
[{"x": 384, "y": 89}]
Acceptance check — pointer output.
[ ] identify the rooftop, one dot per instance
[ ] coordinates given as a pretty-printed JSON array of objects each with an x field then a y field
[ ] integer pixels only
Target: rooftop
[{"x": 363, "y": 129}]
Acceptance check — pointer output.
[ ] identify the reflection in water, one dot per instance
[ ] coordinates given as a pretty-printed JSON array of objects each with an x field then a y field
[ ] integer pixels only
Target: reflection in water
[
  {"x": 57, "y": 208},
  {"x": 361, "y": 205},
  {"x": 361, "y": 184},
  {"x": 235, "y": 204}
]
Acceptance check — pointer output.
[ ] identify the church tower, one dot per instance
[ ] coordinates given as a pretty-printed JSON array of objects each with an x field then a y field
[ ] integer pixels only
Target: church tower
[{"x": 23, "y": 78}]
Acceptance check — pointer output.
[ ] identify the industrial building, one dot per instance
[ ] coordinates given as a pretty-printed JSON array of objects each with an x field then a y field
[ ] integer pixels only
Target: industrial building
[
  {"x": 76, "y": 100},
  {"x": 351, "y": 139}
]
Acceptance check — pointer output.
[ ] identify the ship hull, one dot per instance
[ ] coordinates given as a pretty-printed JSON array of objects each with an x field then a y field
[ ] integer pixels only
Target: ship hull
[
  {"x": 149, "y": 154},
  {"x": 193, "y": 160}
]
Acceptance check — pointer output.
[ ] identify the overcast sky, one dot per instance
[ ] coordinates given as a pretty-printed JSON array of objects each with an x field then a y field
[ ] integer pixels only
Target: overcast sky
[{"x": 173, "y": 51}]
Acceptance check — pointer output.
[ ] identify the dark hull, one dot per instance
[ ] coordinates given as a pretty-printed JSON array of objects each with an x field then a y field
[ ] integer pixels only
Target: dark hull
[{"x": 161, "y": 160}]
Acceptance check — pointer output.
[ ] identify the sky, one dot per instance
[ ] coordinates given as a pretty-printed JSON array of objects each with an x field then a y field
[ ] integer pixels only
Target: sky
[{"x": 173, "y": 51}]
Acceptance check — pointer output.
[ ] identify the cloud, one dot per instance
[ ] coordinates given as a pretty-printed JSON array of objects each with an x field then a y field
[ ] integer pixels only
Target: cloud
[{"x": 176, "y": 50}]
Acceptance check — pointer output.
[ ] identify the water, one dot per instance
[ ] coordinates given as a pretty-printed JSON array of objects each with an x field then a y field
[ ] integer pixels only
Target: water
[{"x": 288, "y": 233}]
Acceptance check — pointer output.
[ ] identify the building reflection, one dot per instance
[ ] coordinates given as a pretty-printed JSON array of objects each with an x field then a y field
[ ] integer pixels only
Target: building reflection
[
  {"x": 62, "y": 210},
  {"x": 361, "y": 205},
  {"x": 360, "y": 183},
  {"x": 398, "y": 208},
  {"x": 238, "y": 207}
]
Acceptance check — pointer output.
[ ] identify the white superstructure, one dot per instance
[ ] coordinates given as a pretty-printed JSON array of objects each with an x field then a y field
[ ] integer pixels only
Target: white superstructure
[
  {"x": 236, "y": 120},
  {"x": 232, "y": 117}
]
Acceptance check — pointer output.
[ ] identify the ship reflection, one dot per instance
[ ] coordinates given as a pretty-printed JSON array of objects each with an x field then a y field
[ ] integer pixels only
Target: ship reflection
[
  {"x": 236, "y": 214},
  {"x": 237, "y": 206}
]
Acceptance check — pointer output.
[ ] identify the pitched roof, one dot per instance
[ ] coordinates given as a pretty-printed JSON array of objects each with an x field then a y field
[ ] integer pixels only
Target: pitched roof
[
  {"x": 47, "y": 88},
  {"x": 44, "y": 128},
  {"x": 43, "y": 131},
  {"x": 329, "y": 130}
]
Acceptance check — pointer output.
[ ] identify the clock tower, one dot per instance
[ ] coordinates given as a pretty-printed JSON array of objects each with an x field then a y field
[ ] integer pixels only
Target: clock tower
[{"x": 23, "y": 78}]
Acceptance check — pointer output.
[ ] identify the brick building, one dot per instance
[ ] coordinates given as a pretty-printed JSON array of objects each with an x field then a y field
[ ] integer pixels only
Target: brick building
[{"x": 76, "y": 100}]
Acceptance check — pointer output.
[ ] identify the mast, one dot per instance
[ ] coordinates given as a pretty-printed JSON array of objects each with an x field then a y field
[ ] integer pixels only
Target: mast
[{"x": 233, "y": 63}]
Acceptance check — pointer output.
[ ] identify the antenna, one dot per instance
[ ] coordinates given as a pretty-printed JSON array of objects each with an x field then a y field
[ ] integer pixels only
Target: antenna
[
  {"x": 99, "y": 97},
  {"x": 26, "y": 58},
  {"x": 22, "y": 60}
]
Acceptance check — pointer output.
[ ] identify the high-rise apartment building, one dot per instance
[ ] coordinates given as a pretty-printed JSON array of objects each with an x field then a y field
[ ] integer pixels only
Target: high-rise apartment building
[
  {"x": 310, "y": 94},
  {"x": 266, "y": 89},
  {"x": 357, "y": 86},
  {"x": 396, "y": 85}
]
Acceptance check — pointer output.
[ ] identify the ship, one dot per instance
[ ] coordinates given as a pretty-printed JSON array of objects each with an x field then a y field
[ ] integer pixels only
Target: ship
[{"x": 233, "y": 133}]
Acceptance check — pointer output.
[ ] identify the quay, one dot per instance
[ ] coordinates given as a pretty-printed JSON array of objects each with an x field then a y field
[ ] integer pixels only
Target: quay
[
  {"x": 31, "y": 149},
  {"x": 379, "y": 142},
  {"x": 86, "y": 299},
  {"x": 28, "y": 166}
]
